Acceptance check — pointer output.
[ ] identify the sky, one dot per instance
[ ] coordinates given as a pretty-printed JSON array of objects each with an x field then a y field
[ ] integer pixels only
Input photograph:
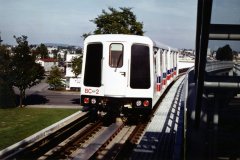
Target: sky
[{"x": 172, "y": 22}]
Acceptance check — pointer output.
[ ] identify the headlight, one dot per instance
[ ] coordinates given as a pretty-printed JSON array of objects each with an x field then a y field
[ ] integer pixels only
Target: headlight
[
  {"x": 93, "y": 100},
  {"x": 138, "y": 103}
]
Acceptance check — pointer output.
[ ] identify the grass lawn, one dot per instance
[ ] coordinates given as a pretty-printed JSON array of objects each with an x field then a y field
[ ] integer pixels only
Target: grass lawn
[{"x": 19, "y": 123}]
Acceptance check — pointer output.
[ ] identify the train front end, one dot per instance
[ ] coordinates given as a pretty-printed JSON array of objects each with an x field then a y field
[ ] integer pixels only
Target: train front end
[{"x": 117, "y": 73}]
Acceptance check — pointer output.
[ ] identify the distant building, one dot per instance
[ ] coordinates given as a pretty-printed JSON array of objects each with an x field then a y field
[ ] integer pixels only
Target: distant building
[
  {"x": 50, "y": 51},
  {"x": 72, "y": 82},
  {"x": 47, "y": 63}
]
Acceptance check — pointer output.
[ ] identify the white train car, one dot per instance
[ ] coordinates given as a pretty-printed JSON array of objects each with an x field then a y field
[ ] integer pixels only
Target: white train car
[{"x": 125, "y": 72}]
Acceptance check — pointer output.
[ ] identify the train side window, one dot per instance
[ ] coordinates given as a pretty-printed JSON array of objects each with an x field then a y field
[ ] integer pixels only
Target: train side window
[
  {"x": 172, "y": 59},
  {"x": 116, "y": 55},
  {"x": 156, "y": 60},
  {"x": 155, "y": 63},
  {"x": 93, "y": 66},
  {"x": 166, "y": 60},
  {"x": 161, "y": 61},
  {"x": 140, "y": 67}
]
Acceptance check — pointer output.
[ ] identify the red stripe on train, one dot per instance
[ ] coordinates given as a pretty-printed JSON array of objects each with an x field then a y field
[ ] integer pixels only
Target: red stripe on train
[
  {"x": 158, "y": 87},
  {"x": 164, "y": 81},
  {"x": 168, "y": 77}
]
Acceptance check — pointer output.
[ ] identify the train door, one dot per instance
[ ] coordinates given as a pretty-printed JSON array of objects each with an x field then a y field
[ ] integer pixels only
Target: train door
[
  {"x": 115, "y": 70},
  {"x": 174, "y": 63},
  {"x": 164, "y": 66},
  {"x": 158, "y": 73},
  {"x": 177, "y": 53},
  {"x": 168, "y": 67}
]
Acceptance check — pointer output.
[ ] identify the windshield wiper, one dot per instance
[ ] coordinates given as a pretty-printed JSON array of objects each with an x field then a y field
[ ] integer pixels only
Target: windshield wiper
[{"x": 118, "y": 61}]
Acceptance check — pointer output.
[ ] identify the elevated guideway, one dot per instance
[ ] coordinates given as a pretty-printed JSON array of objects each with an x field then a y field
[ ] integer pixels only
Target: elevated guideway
[
  {"x": 222, "y": 75},
  {"x": 217, "y": 66},
  {"x": 163, "y": 138},
  {"x": 217, "y": 134}
]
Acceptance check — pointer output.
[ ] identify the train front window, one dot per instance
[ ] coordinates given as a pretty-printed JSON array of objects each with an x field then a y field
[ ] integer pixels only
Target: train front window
[
  {"x": 140, "y": 67},
  {"x": 116, "y": 55},
  {"x": 92, "y": 74}
]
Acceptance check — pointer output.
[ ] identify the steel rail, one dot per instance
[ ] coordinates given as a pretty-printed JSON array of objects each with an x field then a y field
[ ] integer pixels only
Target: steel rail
[
  {"x": 124, "y": 150},
  {"x": 99, "y": 142},
  {"x": 70, "y": 145}
]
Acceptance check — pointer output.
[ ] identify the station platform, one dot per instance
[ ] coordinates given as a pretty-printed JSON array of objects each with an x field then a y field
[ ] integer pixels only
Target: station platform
[{"x": 163, "y": 136}]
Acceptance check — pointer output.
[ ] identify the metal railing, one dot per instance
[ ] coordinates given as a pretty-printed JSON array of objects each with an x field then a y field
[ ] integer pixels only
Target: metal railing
[{"x": 218, "y": 65}]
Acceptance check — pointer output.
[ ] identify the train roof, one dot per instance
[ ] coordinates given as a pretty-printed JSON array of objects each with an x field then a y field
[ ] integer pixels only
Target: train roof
[
  {"x": 161, "y": 45},
  {"x": 164, "y": 46},
  {"x": 118, "y": 38},
  {"x": 124, "y": 38}
]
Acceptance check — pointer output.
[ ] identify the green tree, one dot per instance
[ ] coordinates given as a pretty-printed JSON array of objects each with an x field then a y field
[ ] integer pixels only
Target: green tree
[
  {"x": 55, "y": 78},
  {"x": 77, "y": 65},
  {"x": 79, "y": 51},
  {"x": 117, "y": 22},
  {"x": 85, "y": 35},
  {"x": 7, "y": 95},
  {"x": 25, "y": 72},
  {"x": 65, "y": 55},
  {"x": 60, "y": 60},
  {"x": 224, "y": 53},
  {"x": 42, "y": 51},
  {"x": 4, "y": 62}
]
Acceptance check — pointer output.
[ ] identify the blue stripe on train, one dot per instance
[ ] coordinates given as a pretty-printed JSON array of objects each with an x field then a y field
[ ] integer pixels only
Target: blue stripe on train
[
  {"x": 164, "y": 75},
  {"x": 159, "y": 79}
]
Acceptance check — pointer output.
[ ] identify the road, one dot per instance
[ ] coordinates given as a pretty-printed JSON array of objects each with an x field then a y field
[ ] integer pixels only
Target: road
[{"x": 40, "y": 95}]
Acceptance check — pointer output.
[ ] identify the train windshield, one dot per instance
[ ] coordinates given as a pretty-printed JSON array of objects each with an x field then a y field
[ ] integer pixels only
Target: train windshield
[
  {"x": 92, "y": 74},
  {"x": 140, "y": 67}
]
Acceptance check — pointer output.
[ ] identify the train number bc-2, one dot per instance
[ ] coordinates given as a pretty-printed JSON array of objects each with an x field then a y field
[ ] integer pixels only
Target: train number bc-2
[{"x": 91, "y": 91}]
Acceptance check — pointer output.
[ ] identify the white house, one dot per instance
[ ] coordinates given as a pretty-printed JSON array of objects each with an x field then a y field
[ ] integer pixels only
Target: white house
[
  {"x": 50, "y": 49},
  {"x": 72, "y": 82},
  {"x": 47, "y": 63}
]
